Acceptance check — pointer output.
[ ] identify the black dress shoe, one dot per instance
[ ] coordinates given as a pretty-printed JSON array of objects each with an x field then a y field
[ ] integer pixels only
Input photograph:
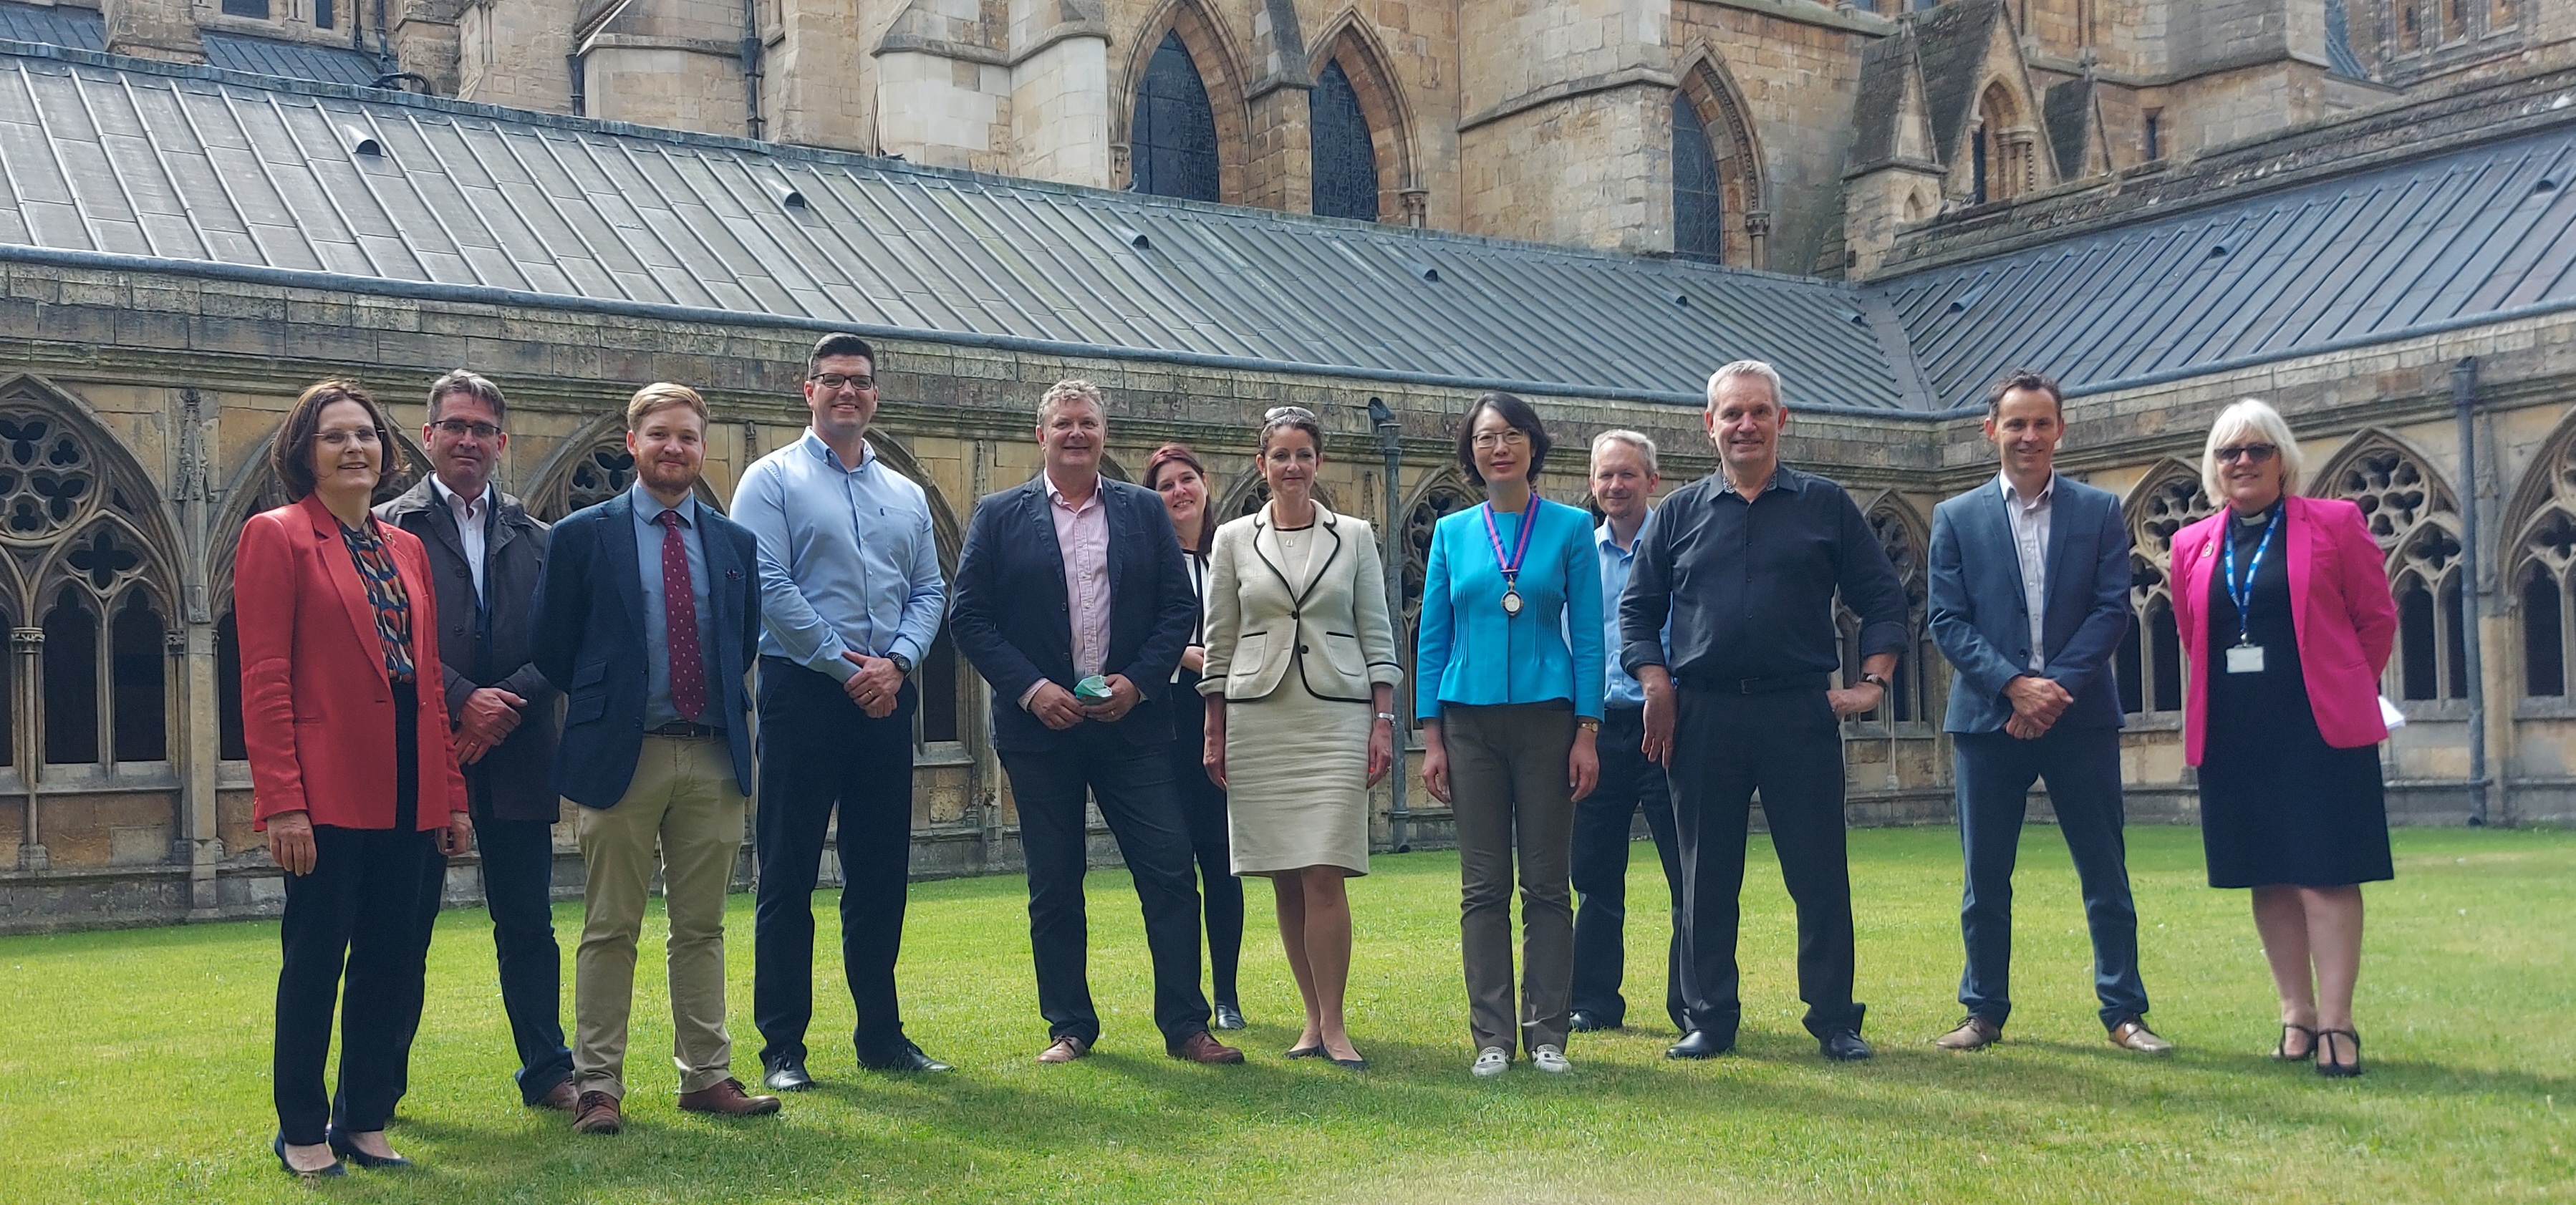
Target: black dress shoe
[
  {"x": 787, "y": 1075},
  {"x": 1844, "y": 1046},
  {"x": 906, "y": 1057},
  {"x": 348, "y": 1151},
  {"x": 333, "y": 1168},
  {"x": 1228, "y": 1016},
  {"x": 1586, "y": 1021},
  {"x": 1699, "y": 1044}
]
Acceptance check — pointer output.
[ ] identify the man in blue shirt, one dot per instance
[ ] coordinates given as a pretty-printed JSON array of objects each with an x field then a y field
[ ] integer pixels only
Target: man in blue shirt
[
  {"x": 1624, "y": 480},
  {"x": 851, "y": 596}
]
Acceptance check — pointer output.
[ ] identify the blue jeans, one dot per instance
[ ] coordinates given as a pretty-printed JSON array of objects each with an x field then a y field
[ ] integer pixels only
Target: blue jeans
[{"x": 2082, "y": 769}]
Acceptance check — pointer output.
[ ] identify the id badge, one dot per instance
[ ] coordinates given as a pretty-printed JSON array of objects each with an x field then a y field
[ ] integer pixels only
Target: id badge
[{"x": 2245, "y": 659}]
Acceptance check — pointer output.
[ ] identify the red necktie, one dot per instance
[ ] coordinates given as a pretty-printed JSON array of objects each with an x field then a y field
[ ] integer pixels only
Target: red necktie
[{"x": 680, "y": 623}]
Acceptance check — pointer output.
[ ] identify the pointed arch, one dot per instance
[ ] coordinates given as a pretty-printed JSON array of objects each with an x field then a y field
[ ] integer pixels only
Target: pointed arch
[
  {"x": 2149, "y": 662},
  {"x": 1202, "y": 35},
  {"x": 2415, "y": 518},
  {"x": 2539, "y": 560},
  {"x": 1442, "y": 493},
  {"x": 2391, "y": 480},
  {"x": 589, "y": 467},
  {"x": 1353, "y": 45},
  {"x": 1906, "y": 539},
  {"x": 1727, "y": 208},
  {"x": 2001, "y": 157}
]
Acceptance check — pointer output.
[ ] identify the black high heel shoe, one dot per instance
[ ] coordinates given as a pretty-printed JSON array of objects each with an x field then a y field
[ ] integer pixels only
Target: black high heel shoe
[
  {"x": 341, "y": 1146},
  {"x": 2281, "y": 1052},
  {"x": 2333, "y": 1068},
  {"x": 334, "y": 1168}
]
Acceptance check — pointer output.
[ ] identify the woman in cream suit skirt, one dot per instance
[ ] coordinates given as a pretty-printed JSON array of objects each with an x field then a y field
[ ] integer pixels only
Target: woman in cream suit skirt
[{"x": 1300, "y": 688}]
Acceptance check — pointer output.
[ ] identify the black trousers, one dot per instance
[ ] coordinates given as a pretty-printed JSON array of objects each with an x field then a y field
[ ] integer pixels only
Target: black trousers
[
  {"x": 518, "y": 889},
  {"x": 1203, "y": 809},
  {"x": 1133, "y": 786},
  {"x": 818, "y": 752},
  {"x": 2082, "y": 769},
  {"x": 1788, "y": 747},
  {"x": 356, "y": 934},
  {"x": 1602, "y": 824}
]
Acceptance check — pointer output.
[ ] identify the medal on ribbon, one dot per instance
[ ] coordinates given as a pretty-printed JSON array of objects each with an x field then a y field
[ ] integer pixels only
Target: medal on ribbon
[{"x": 1511, "y": 564}]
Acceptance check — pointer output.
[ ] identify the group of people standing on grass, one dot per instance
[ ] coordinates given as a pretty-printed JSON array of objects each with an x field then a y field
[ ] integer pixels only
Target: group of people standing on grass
[{"x": 437, "y": 670}]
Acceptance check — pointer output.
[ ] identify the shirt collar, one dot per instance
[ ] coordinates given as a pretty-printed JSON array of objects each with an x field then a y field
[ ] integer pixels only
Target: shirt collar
[
  {"x": 450, "y": 496},
  {"x": 648, "y": 509},
  {"x": 1601, "y": 536},
  {"x": 823, "y": 452},
  {"x": 1055, "y": 497},
  {"x": 1784, "y": 480},
  {"x": 2047, "y": 493}
]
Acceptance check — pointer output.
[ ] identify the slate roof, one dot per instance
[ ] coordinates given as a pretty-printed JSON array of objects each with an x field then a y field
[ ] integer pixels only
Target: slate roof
[
  {"x": 2469, "y": 236},
  {"x": 123, "y": 160},
  {"x": 292, "y": 60},
  {"x": 2067, "y": 115},
  {"x": 78, "y": 28},
  {"x": 1953, "y": 38}
]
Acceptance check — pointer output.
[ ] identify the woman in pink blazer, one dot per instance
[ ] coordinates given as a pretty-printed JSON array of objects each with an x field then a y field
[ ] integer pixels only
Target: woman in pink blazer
[{"x": 2283, "y": 608}]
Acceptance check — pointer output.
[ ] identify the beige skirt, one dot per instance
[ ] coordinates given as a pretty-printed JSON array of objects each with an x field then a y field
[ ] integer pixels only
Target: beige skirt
[{"x": 1296, "y": 771}]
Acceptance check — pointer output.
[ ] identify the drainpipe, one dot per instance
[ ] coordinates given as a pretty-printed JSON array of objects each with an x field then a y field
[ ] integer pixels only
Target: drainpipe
[
  {"x": 2464, "y": 400},
  {"x": 751, "y": 68},
  {"x": 1390, "y": 440}
]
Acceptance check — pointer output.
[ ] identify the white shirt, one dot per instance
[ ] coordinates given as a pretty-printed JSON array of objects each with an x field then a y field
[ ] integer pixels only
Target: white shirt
[
  {"x": 2030, "y": 543},
  {"x": 470, "y": 514}
]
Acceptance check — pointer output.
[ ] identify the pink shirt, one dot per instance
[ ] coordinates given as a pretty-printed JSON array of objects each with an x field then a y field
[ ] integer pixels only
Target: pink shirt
[{"x": 1082, "y": 538}]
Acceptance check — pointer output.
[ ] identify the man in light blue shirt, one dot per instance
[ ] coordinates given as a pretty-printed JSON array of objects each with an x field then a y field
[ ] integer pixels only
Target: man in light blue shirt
[
  {"x": 851, "y": 596},
  {"x": 1623, "y": 485}
]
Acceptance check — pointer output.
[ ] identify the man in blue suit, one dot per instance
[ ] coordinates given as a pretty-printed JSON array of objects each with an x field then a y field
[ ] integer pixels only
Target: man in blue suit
[
  {"x": 1073, "y": 600},
  {"x": 647, "y": 618},
  {"x": 2029, "y": 599}
]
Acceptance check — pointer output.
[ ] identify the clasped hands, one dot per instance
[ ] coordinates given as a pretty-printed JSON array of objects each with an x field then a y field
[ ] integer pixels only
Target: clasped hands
[
  {"x": 488, "y": 718},
  {"x": 1055, "y": 707},
  {"x": 878, "y": 685},
  {"x": 2036, "y": 704}
]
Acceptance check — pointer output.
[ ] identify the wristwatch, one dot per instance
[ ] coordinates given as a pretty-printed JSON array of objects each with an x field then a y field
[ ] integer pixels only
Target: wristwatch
[
  {"x": 902, "y": 664},
  {"x": 1878, "y": 680},
  {"x": 1587, "y": 723},
  {"x": 1389, "y": 717}
]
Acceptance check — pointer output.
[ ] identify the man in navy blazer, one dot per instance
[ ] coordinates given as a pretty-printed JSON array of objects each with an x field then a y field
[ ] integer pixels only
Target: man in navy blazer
[
  {"x": 1067, "y": 580},
  {"x": 2029, "y": 599},
  {"x": 647, "y": 617}
]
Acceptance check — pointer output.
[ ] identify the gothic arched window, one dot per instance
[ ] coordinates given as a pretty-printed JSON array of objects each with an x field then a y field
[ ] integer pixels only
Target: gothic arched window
[
  {"x": 1909, "y": 694},
  {"x": 1345, "y": 150},
  {"x": 2545, "y": 592},
  {"x": 1446, "y": 495},
  {"x": 232, "y": 743},
  {"x": 2412, "y": 518},
  {"x": 1699, "y": 211},
  {"x": 1172, "y": 140},
  {"x": 2149, "y": 663},
  {"x": 71, "y": 680}
]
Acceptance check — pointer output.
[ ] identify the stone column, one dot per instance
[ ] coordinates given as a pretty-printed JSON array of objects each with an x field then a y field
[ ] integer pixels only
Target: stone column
[
  {"x": 28, "y": 645},
  {"x": 1060, "y": 92}
]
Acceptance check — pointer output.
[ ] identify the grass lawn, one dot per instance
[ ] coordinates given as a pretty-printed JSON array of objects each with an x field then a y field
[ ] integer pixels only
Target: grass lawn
[{"x": 134, "y": 1065}]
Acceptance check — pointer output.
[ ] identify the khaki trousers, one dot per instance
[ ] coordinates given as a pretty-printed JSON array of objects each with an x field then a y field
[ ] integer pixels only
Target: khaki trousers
[
  {"x": 684, "y": 803},
  {"x": 1507, "y": 783}
]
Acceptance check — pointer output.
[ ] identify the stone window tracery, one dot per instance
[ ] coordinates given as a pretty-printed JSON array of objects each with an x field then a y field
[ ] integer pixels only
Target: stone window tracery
[
  {"x": 1447, "y": 494},
  {"x": 1699, "y": 206},
  {"x": 2541, "y": 559},
  {"x": 1344, "y": 148},
  {"x": 2415, "y": 522},
  {"x": 1172, "y": 139},
  {"x": 1910, "y": 688},
  {"x": 2149, "y": 663}
]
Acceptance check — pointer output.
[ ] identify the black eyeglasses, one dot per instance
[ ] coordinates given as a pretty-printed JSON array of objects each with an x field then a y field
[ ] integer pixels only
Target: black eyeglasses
[
  {"x": 833, "y": 381},
  {"x": 460, "y": 428},
  {"x": 2249, "y": 453},
  {"x": 1276, "y": 413}
]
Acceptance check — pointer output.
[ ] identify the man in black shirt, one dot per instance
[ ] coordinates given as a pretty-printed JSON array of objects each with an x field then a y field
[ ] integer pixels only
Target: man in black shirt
[{"x": 1745, "y": 563}]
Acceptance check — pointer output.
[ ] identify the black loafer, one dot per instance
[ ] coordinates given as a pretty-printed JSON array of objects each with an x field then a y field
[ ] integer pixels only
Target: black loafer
[
  {"x": 906, "y": 1057},
  {"x": 1587, "y": 1021},
  {"x": 334, "y": 1168},
  {"x": 1228, "y": 1016},
  {"x": 787, "y": 1075},
  {"x": 348, "y": 1151},
  {"x": 1844, "y": 1046},
  {"x": 1699, "y": 1044}
]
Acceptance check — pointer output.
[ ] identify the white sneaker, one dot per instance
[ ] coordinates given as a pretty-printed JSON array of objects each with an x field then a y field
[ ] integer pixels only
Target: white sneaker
[
  {"x": 1550, "y": 1060},
  {"x": 1490, "y": 1062}
]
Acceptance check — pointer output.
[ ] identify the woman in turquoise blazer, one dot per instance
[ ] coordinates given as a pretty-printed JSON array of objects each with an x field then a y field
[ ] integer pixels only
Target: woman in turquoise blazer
[{"x": 1509, "y": 713}]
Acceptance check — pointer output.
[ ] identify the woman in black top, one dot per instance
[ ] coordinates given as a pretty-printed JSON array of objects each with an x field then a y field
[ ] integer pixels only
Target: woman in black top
[{"x": 1175, "y": 473}]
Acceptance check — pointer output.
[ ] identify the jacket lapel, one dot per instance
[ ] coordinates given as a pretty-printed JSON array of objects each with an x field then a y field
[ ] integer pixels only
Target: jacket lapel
[
  {"x": 2296, "y": 532},
  {"x": 2061, "y": 519},
  {"x": 334, "y": 555},
  {"x": 625, "y": 572},
  {"x": 502, "y": 527},
  {"x": 1117, "y": 521},
  {"x": 1315, "y": 569},
  {"x": 1040, "y": 515}
]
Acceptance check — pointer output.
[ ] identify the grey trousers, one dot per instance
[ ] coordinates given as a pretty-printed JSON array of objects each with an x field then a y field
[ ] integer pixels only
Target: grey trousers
[{"x": 1507, "y": 784}]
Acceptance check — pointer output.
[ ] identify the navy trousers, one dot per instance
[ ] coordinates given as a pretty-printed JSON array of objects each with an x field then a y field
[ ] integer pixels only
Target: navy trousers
[
  {"x": 1603, "y": 822},
  {"x": 1133, "y": 786},
  {"x": 2082, "y": 769},
  {"x": 518, "y": 889},
  {"x": 818, "y": 752}
]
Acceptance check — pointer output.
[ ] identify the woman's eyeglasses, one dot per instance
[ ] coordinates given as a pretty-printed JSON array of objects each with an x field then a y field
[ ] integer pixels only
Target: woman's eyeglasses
[
  {"x": 1490, "y": 440},
  {"x": 2249, "y": 453}
]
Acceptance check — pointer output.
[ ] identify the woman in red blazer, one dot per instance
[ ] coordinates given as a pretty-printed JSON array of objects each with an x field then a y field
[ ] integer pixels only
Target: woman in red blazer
[
  {"x": 351, "y": 772},
  {"x": 2283, "y": 608}
]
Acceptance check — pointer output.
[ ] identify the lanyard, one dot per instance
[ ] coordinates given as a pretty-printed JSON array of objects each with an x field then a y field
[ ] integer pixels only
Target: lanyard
[
  {"x": 1512, "y": 568},
  {"x": 2243, "y": 594}
]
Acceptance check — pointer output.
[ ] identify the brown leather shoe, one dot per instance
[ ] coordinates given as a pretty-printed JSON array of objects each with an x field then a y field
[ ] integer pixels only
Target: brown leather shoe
[
  {"x": 2133, "y": 1034},
  {"x": 727, "y": 1099},
  {"x": 597, "y": 1113},
  {"x": 1064, "y": 1050},
  {"x": 1201, "y": 1047},
  {"x": 562, "y": 1100},
  {"x": 1974, "y": 1033}
]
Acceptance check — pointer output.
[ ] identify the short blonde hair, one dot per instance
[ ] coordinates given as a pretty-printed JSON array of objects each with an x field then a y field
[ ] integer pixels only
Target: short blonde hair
[
  {"x": 2258, "y": 419},
  {"x": 662, "y": 395},
  {"x": 1635, "y": 439},
  {"x": 1747, "y": 368},
  {"x": 1072, "y": 389}
]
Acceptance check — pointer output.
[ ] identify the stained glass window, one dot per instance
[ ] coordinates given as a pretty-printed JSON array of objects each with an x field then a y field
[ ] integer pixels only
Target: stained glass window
[
  {"x": 1173, "y": 142},
  {"x": 1345, "y": 153}
]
